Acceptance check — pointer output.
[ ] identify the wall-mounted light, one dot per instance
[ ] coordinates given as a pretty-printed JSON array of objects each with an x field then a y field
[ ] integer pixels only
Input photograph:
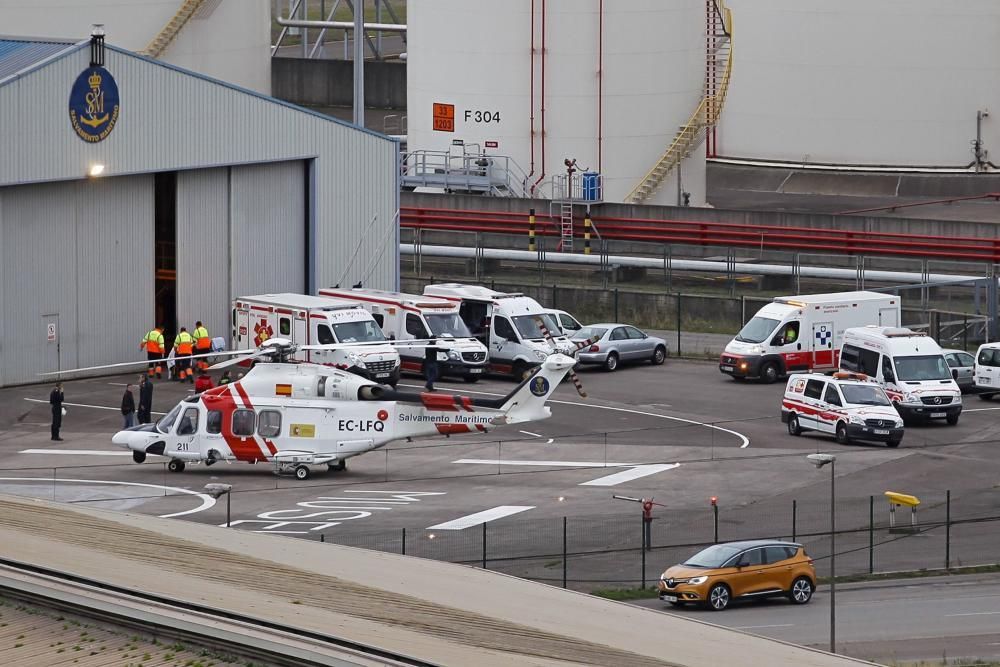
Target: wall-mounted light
[{"x": 95, "y": 169}]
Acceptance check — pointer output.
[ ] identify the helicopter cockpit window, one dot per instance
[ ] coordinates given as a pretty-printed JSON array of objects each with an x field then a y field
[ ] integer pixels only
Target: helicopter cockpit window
[
  {"x": 269, "y": 423},
  {"x": 324, "y": 335},
  {"x": 163, "y": 426},
  {"x": 189, "y": 422},
  {"x": 213, "y": 422},
  {"x": 243, "y": 422}
]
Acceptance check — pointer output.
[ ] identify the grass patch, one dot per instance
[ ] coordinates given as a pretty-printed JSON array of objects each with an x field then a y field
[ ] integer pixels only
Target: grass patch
[{"x": 626, "y": 594}]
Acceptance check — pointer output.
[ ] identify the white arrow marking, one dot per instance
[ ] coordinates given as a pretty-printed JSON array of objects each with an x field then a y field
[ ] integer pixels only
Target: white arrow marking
[
  {"x": 482, "y": 517},
  {"x": 630, "y": 474}
]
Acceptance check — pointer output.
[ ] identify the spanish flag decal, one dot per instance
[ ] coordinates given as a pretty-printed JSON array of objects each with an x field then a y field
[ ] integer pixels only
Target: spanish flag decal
[{"x": 282, "y": 390}]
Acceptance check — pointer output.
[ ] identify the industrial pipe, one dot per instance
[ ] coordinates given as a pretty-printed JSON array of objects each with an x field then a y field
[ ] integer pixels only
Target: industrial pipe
[{"x": 340, "y": 25}]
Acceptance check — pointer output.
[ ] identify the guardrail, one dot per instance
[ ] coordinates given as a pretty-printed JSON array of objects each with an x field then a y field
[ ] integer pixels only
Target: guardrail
[{"x": 726, "y": 234}]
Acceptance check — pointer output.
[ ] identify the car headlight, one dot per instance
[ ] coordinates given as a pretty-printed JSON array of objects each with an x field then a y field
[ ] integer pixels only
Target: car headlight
[
  {"x": 454, "y": 356},
  {"x": 899, "y": 423},
  {"x": 855, "y": 419},
  {"x": 541, "y": 356},
  {"x": 355, "y": 359},
  {"x": 696, "y": 581},
  {"x": 911, "y": 398}
]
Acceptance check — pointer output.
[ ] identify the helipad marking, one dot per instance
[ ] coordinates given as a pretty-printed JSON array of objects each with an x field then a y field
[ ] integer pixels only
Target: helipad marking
[
  {"x": 479, "y": 518},
  {"x": 74, "y": 452},
  {"x": 630, "y": 474},
  {"x": 84, "y": 405},
  {"x": 207, "y": 501}
]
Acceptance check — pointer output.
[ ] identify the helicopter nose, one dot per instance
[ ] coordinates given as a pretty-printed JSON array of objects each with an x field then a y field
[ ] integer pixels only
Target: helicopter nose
[{"x": 122, "y": 439}]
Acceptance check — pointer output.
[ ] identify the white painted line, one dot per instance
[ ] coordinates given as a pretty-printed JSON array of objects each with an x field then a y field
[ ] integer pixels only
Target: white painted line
[
  {"x": 550, "y": 441},
  {"x": 482, "y": 517},
  {"x": 84, "y": 405},
  {"x": 755, "y": 627},
  {"x": 533, "y": 435},
  {"x": 547, "y": 464},
  {"x": 121, "y": 384},
  {"x": 74, "y": 452},
  {"x": 207, "y": 501},
  {"x": 745, "y": 441},
  {"x": 979, "y": 409},
  {"x": 975, "y": 613},
  {"x": 630, "y": 474}
]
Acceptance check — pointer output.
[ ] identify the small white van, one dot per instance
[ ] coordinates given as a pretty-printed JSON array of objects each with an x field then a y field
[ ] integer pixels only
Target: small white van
[
  {"x": 848, "y": 406},
  {"x": 988, "y": 370},
  {"x": 911, "y": 368},
  {"x": 568, "y": 325}
]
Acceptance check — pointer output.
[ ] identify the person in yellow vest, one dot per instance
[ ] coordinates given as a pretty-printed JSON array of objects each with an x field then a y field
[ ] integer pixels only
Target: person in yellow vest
[
  {"x": 152, "y": 342},
  {"x": 183, "y": 349},
  {"x": 202, "y": 345}
]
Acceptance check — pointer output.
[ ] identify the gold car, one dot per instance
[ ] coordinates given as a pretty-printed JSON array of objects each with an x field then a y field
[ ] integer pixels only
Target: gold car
[{"x": 756, "y": 569}]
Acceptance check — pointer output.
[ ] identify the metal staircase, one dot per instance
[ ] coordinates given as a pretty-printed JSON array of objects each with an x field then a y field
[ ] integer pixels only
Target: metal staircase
[
  {"x": 162, "y": 40},
  {"x": 701, "y": 124}
]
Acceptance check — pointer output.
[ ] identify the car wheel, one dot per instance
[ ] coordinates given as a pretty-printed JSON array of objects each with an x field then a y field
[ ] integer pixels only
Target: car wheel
[
  {"x": 769, "y": 373},
  {"x": 659, "y": 355},
  {"x": 953, "y": 419},
  {"x": 842, "y": 433},
  {"x": 718, "y": 597},
  {"x": 802, "y": 591},
  {"x": 894, "y": 443},
  {"x": 611, "y": 363},
  {"x": 793, "y": 425}
]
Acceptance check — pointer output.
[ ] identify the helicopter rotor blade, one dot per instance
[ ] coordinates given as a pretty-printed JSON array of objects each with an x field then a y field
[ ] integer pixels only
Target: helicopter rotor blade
[
  {"x": 144, "y": 362},
  {"x": 247, "y": 355}
]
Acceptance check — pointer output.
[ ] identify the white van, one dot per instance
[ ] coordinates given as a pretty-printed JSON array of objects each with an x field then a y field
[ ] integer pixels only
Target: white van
[
  {"x": 417, "y": 317},
  {"x": 803, "y": 333},
  {"x": 568, "y": 325},
  {"x": 988, "y": 370},
  {"x": 507, "y": 324},
  {"x": 849, "y": 406},
  {"x": 911, "y": 368},
  {"x": 313, "y": 320}
]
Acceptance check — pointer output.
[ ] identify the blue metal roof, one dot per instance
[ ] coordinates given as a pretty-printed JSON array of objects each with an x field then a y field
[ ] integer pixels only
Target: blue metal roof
[{"x": 17, "y": 54}]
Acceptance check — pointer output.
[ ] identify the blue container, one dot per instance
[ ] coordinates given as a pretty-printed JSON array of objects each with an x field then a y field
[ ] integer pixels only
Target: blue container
[{"x": 591, "y": 186}]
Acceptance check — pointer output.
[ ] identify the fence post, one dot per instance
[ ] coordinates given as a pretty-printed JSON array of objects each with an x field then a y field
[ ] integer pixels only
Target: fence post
[
  {"x": 564, "y": 552},
  {"x": 642, "y": 527},
  {"x": 678, "y": 324},
  {"x": 555, "y": 303},
  {"x": 795, "y": 505},
  {"x": 616, "y": 305},
  {"x": 484, "y": 546},
  {"x": 403, "y": 549},
  {"x": 531, "y": 230},
  {"x": 871, "y": 534},
  {"x": 715, "y": 513},
  {"x": 322, "y": 537},
  {"x": 965, "y": 332},
  {"x": 947, "y": 530}
]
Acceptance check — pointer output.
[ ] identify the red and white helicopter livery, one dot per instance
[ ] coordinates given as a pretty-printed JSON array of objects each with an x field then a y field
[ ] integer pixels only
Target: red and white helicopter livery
[{"x": 297, "y": 415}]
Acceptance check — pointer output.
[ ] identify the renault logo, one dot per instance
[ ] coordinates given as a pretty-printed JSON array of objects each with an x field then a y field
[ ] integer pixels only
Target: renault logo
[{"x": 670, "y": 583}]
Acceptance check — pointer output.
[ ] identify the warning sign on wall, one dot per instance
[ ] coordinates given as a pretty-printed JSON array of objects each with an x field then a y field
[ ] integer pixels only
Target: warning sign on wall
[
  {"x": 444, "y": 117},
  {"x": 50, "y": 332}
]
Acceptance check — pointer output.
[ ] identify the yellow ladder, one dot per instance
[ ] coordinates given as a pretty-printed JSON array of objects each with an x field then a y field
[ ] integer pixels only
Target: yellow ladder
[
  {"x": 706, "y": 115},
  {"x": 162, "y": 40}
]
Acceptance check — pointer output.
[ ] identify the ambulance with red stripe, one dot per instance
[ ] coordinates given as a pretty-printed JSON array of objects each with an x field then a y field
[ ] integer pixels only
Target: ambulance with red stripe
[
  {"x": 312, "y": 320},
  {"x": 910, "y": 366},
  {"x": 417, "y": 317},
  {"x": 297, "y": 415},
  {"x": 848, "y": 406},
  {"x": 803, "y": 333}
]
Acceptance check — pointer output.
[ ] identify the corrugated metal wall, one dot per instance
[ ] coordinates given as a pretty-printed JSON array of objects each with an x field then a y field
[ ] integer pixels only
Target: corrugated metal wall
[
  {"x": 203, "y": 249},
  {"x": 268, "y": 228},
  {"x": 83, "y": 251}
]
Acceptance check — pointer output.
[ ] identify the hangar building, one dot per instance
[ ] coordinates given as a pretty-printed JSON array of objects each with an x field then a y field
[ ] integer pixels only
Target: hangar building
[{"x": 206, "y": 192}]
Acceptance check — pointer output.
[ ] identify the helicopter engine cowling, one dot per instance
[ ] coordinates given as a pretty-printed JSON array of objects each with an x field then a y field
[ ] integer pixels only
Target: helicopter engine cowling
[{"x": 371, "y": 392}]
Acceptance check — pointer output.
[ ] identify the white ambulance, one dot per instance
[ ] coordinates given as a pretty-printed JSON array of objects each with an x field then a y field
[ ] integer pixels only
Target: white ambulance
[
  {"x": 848, "y": 406},
  {"x": 311, "y": 320},
  {"x": 508, "y": 324},
  {"x": 909, "y": 365},
  {"x": 416, "y": 317},
  {"x": 803, "y": 333}
]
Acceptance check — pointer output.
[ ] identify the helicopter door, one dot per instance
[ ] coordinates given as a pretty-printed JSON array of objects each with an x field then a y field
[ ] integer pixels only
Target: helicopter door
[{"x": 187, "y": 428}]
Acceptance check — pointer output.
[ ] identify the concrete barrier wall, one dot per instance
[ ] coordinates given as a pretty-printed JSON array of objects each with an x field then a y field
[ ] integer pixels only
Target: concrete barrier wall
[{"x": 330, "y": 83}]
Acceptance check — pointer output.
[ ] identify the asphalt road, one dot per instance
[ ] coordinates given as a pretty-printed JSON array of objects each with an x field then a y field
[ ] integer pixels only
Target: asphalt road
[{"x": 915, "y": 619}]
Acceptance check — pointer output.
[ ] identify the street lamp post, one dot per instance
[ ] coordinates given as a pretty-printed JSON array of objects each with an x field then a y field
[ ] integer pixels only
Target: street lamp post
[{"x": 820, "y": 460}]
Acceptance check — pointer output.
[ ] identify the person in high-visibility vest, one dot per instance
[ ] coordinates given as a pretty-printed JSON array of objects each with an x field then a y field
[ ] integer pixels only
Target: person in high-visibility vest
[
  {"x": 183, "y": 349},
  {"x": 202, "y": 345},
  {"x": 152, "y": 342}
]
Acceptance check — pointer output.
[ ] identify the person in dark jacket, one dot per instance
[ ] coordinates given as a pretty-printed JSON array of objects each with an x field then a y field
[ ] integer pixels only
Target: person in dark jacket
[
  {"x": 128, "y": 407},
  {"x": 56, "y": 401},
  {"x": 145, "y": 400},
  {"x": 431, "y": 364}
]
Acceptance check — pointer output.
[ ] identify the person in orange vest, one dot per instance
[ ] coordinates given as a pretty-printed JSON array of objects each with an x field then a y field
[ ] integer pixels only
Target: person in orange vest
[
  {"x": 183, "y": 349},
  {"x": 202, "y": 345},
  {"x": 152, "y": 342}
]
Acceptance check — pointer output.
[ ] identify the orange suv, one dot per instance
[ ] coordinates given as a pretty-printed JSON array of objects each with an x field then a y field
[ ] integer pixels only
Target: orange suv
[{"x": 756, "y": 569}]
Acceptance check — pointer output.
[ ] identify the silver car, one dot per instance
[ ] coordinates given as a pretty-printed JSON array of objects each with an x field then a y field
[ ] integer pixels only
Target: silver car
[
  {"x": 619, "y": 343},
  {"x": 963, "y": 368}
]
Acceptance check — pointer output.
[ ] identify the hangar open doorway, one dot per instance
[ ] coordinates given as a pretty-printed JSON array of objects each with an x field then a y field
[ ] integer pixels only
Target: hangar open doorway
[{"x": 165, "y": 253}]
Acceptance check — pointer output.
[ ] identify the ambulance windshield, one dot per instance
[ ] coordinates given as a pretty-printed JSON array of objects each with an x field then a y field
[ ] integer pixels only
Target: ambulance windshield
[
  {"x": 757, "y": 330},
  {"x": 859, "y": 394},
  {"x": 447, "y": 324},
  {"x": 927, "y": 367},
  {"x": 163, "y": 426},
  {"x": 527, "y": 326},
  {"x": 358, "y": 332}
]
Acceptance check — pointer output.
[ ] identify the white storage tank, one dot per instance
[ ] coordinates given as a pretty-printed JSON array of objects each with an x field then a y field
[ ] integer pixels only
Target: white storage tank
[
  {"x": 606, "y": 83},
  {"x": 224, "y": 39},
  {"x": 897, "y": 83}
]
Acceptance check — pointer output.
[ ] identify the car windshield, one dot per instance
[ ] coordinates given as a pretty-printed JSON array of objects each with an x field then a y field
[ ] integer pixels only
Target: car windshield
[
  {"x": 358, "y": 332},
  {"x": 713, "y": 556},
  {"x": 527, "y": 325},
  {"x": 447, "y": 324},
  {"x": 857, "y": 394},
  {"x": 914, "y": 369},
  {"x": 757, "y": 330},
  {"x": 589, "y": 332},
  {"x": 163, "y": 426}
]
